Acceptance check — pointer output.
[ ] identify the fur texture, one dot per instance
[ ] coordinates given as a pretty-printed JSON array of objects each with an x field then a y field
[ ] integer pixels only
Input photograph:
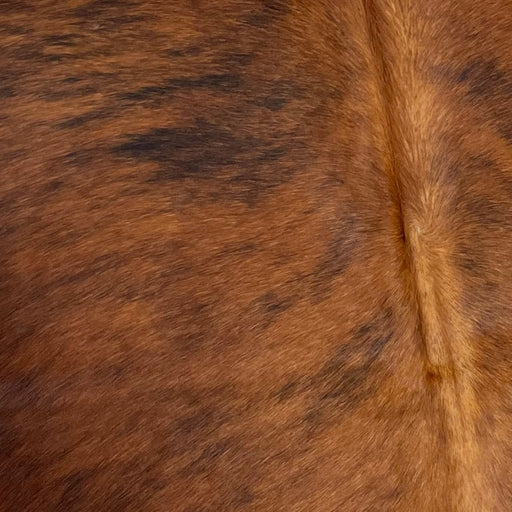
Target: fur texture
[{"x": 255, "y": 255}]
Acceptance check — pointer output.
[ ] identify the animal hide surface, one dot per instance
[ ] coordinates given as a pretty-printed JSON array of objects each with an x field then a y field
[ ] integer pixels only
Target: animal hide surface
[{"x": 256, "y": 255}]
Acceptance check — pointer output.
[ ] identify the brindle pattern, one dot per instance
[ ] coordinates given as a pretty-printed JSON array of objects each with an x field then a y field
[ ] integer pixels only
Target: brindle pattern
[{"x": 255, "y": 255}]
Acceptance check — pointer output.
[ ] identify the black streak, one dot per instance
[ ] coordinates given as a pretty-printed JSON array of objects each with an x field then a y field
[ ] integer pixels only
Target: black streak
[
  {"x": 190, "y": 151},
  {"x": 219, "y": 82},
  {"x": 346, "y": 374}
]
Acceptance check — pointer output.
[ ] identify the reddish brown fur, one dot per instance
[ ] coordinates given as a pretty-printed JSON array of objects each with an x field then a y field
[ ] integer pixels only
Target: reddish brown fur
[{"x": 255, "y": 255}]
